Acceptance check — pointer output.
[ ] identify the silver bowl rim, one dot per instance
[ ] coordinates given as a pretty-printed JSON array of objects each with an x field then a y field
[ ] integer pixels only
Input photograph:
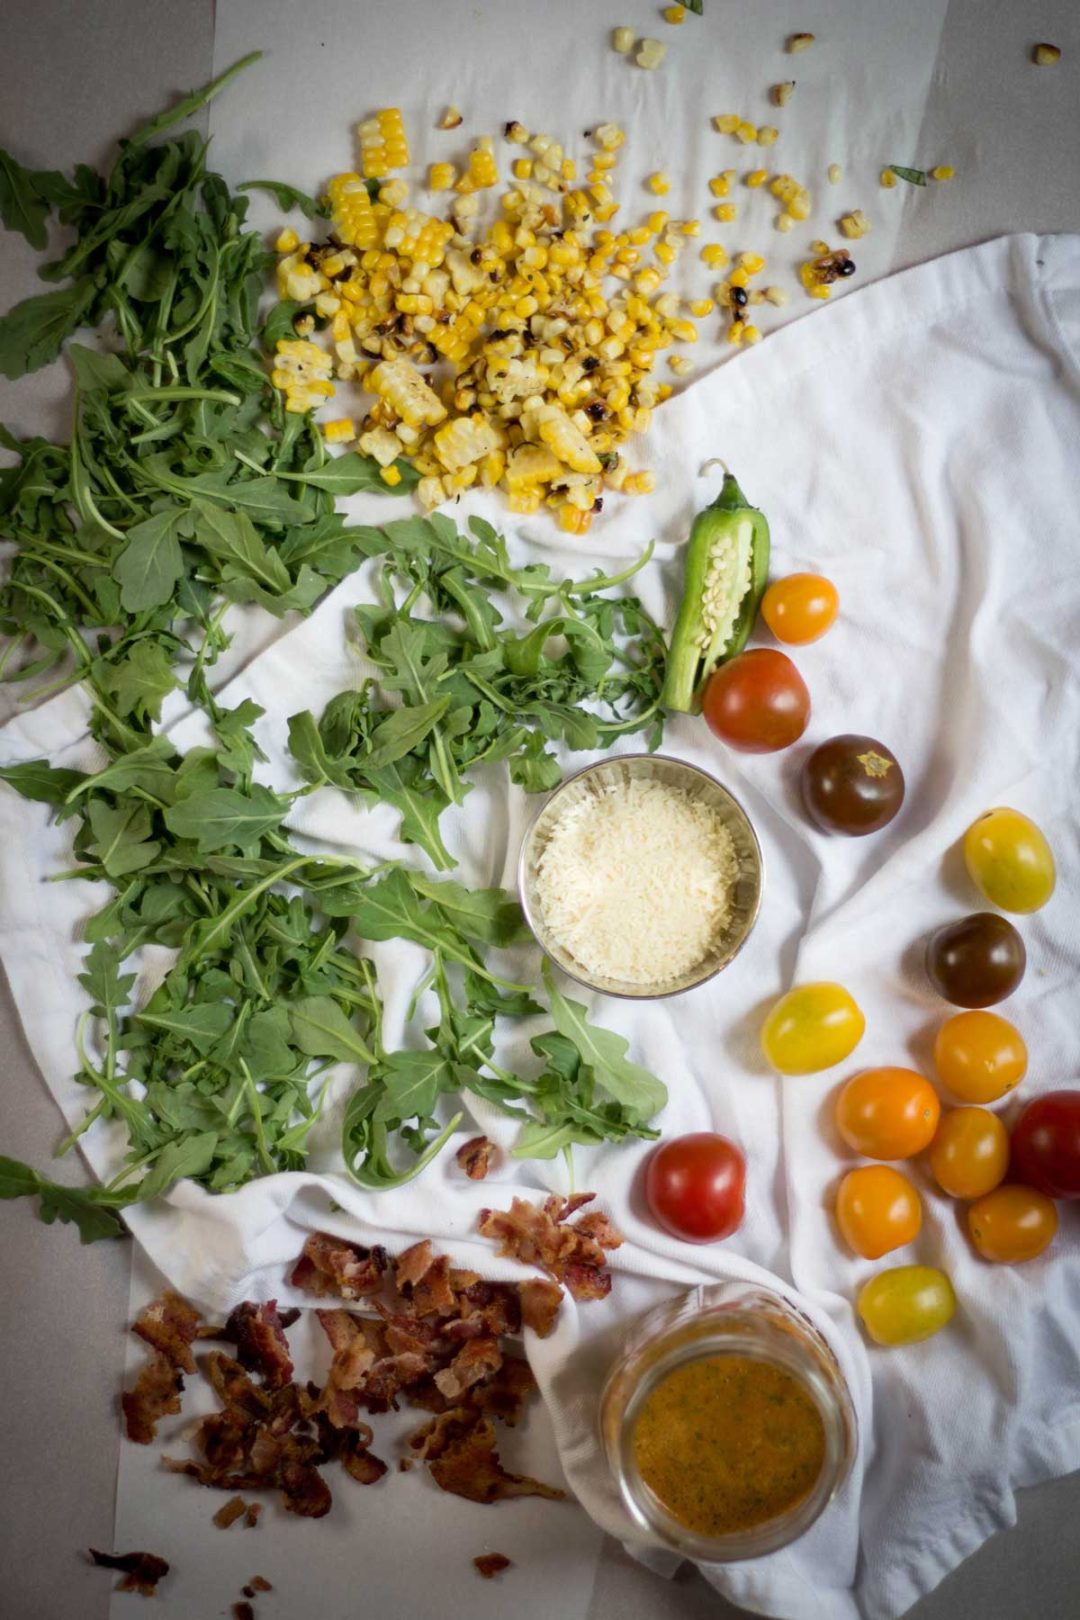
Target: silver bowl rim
[{"x": 694, "y": 770}]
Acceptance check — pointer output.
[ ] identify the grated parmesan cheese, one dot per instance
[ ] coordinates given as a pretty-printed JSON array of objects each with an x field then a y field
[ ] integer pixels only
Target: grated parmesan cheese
[{"x": 636, "y": 879}]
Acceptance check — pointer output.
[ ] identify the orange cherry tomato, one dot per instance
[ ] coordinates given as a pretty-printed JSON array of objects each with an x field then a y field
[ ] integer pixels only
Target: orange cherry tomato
[
  {"x": 1012, "y": 1223},
  {"x": 888, "y": 1113},
  {"x": 800, "y": 608},
  {"x": 970, "y": 1153},
  {"x": 877, "y": 1210},
  {"x": 980, "y": 1056}
]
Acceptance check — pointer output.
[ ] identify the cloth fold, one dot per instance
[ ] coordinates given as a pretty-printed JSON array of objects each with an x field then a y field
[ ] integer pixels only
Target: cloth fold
[{"x": 919, "y": 443}]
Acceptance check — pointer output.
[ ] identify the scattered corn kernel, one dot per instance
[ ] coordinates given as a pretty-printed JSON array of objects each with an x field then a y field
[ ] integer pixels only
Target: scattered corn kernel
[
  {"x": 756, "y": 177},
  {"x": 751, "y": 263},
  {"x": 340, "y": 431},
  {"x": 624, "y": 39},
  {"x": 441, "y": 176},
  {"x": 719, "y": 185},
  {"x": 855, "y": 224},
  {"x": 650, "y": 54},
  {"x": 887, "y": 180},
  {"x": 798, "y": 42},
  {"x": 783, "y": 92},
  {"x": 390, "y": 475},
  {"x": 943, "y": 171},
  {"x": 835, "y": 173},
  {"x": 819, "y": 247},
  {"x": 641, "y": 483},
  {"x": 725, "y": 212},
  {"x": 1046, "y": 55},
  {"x": 516, "y": 132},
  {"x": 777, "y": 295},
  {"x": 609, "y": 137},
  {"x": 726, "y": 123},
  {"x": 450, "y": 119},
  {"x": 767, "y": 135},
  {"x": 680, "y": 364},
  {"x": 659, "y": 183},
  {"x": 784, "y": 222},
  {"x": 700, "y": 307},
  {"x": 747, "y": 133},
  {"x": 751, "y": 334},
  {"x": 523, "y": 168},
  {"x": 714, "y": 256},
  {"x": 287, "y": 241},
  {"x": 383, "y": 145},
  {"x": 675, "y": 14}
]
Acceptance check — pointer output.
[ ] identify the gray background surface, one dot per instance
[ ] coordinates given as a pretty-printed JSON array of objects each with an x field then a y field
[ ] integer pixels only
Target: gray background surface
[{"x": 74, "y": 73}]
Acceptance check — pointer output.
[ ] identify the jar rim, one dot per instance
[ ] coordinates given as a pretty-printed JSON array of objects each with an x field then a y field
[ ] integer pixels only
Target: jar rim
[{"x": 759, "y": 1341}]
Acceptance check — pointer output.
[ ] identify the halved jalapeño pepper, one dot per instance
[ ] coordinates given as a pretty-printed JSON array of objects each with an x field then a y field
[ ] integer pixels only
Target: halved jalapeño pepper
[{"x": 727, "y": 567}]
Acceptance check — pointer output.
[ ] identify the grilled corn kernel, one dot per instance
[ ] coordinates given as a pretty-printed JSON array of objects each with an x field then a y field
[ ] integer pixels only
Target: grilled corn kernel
[
  {"x": 1046, "y": 55},
  {"x": 383, "y": 145},
  {"x": 700, "y": 307},
  {"x": 642, "y": 483},
  {"x": 609, "y": 137},
  {"x": 726, "y": 123},
  {"x": 855, "y": 224},
  {"x": 623, "y": 40},
  {"x": 441, "y": 176},
  {"x": 341, "y": 431},
  {"x": 714, "y": 255},
  {"x": 798, "y": 42},
  {"x": 943, "y": 171},
  {"x": 735, "y": 332},
  {"x": 767, "y": 135},
  {"x": 784, "y": 222},
  {"x": 756, "y": 177},
  {"x": 659, "y": 183},
  {"x": 675, "y": 14},
  {"x": 450, "y": 119},
  {"x": 835, "y": 173},
  {"x": 887, "y": 179},
  {"x": 725, "y": 211},
  {"x": 747, "y": 133},
  {"x": 650, "y": 53},
  {"x": 751, "y": 334},
  {"x": 287, "y": 241},
  {"x": 390, "y": 475},
  {"x": 783, "y": 92}
]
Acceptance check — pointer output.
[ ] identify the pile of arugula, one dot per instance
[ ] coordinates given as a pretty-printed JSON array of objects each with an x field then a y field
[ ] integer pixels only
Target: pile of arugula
[{"x": 186, "y": 488}]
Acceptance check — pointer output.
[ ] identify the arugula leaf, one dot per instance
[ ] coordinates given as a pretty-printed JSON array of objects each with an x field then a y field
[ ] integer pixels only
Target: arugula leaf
[
  {"x": 488, "y": 916},
  {"x": 287, "y": 197},
  {"x": 189, "y": 1156},
  {"x": 31, "y": 334},
  {"x": 226, "y": 818},
  {"x": 231, "y": 536},
  {"x": 639, "y": 1092},
  {"x": 87, "y": 1210},
  {"x": 200, "y": 1025},
  {"x": 122, "y": 841},
  {"x": 402, "y": 731},
  {"x": 541, "y": 1140},
  {"x": 22, "y": 207},
  {"x": 321, "y": 1029},
  {"x": 37, "y": 779},
  {"x": 354, "y": 474},
  {"x": 140, "y": 682},
  {"x": 151, "y": 562},
  {"x": 96, "y": 370},
  {"x": 914, "y": 177}
]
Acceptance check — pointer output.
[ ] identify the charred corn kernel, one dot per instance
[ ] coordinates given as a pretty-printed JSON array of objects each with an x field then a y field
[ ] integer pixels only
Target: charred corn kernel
[
  {"x": 798, "y": 42},
  {"x": 450, "y": 119},
  {"x": 776, "y": 295},
  {"x": 675, "y": 14},
  {"x": 747, "y": 133},
  {"x": 751, "y": 334},
  {"x": 943, "y": 171},
  {"x": 650, "y": 53},
  {"x": 725, "y": 212},
  {"x": 659, "y": 183},
  {"x": 783, "y": 92},
  {"x": 680, "y": 365},
  {"x": 623, "y": 40},
  {"x": 401, "y": 386},
  {"x": 609, "y": 137},
  {"x": 287, "y": 241},
  {"x": 390, "y": 475},
  {"x": 767, "y": 135},
  {"x": 719, "y": 185},
  {"x": 756, "y": 177},
  {"x": 751, "y": 263},
  {"x": 340, "y": 431},
  {"x": 441, "y": 176},
  {"x": 714, "y": 255},
  {"x": 517, "y": 133},
  {"x": 785, "y": 222},
  {"x": 683, "y": 331},
  {"x": 657, "y": 221},
  {"x": 700, "y": 307},
  {"x": 835, "y": 173},
  {"x": 523, "y": 168},
  {"x": 383, "y": 145},
  {"x": 641, "y": 483},
  {"x": 887, "y": 179},
  {"x": 352, "y": 218},
  {"x": 1046, "y": 55},
  {"x": 726, "y": 123}
]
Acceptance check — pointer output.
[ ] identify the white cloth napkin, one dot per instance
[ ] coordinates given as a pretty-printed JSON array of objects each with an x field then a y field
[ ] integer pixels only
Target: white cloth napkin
[{"x": 919, "y": 442}]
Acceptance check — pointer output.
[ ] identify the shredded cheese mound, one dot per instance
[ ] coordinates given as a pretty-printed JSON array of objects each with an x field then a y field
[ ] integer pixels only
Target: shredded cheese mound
[{"x": 636, "y": 881}]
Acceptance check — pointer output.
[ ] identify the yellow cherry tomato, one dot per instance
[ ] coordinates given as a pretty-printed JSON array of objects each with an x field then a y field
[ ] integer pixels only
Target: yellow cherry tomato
[
  {"x": 970, "y": 1153},
  {"x": 1012, "y": 1223},
  {"x": 1009, "y": 860},
  {"x": 877, "y": 1210},
  {"x": 811, "y": 1028},
  {"x": 800, "y": 608},
  {"x": 980, "y": 1056},
  {"x": 906, "y": 1304}
]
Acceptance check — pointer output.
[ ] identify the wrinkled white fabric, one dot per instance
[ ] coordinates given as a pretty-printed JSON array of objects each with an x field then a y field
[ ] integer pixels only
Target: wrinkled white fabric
[{"x": 920, "y": 444}]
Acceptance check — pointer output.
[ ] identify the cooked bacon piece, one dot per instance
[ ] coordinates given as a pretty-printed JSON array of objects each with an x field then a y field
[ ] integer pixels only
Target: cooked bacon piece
[
  {"x": 389, "y": 1376},
  {"x": 156, "y": 1395},
  {"x": 491, "y": 1564},
  {"x": 169, "y": 1324},
  {"x": 261, "y": 1346},
  {"x": 243, "y": 1611},
  {"x": 227, "y": 1515},
  {"x": 233, "y": 1387},
  {"x": 541, "y": 1236},
  {"x": 475, "y": 1157},
  {"x": 303, "y": 1489},
  {"x": 432, "y": 1295},
  {"x": 259, "y": 1583},
  {"x": 252, "y": 1515},
  {"x": 362, "y": 1464},
  {"x": 540, "y": 1303},
  {"x": 504, "y": 1395},
  {"x": 353, "y": 1356},
  {"x": 412, "y": 1264},
  {"x": 469, "y": 1466},
  {"x": 461, "y": 1280},
  {"x": 496, "y": 1305},
  {"x": 141, "y": 1570},
  {"x": 474, "y": 1363},
  {"x": 330, "y": 1265}
]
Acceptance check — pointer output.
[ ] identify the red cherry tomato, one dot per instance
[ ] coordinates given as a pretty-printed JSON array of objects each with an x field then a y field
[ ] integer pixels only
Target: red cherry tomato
[
  {"x": 1046, "y": 1144},
  {"x": 758, "y": 702},
  {"x": 695, "y": 1185}
]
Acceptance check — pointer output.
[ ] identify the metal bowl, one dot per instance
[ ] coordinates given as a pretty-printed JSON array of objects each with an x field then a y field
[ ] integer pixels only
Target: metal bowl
[{"x": 746, "y": 898}]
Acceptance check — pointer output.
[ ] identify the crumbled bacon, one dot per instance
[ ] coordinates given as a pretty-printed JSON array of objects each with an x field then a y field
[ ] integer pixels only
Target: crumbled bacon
[
  {"x": 330, "y": 1265},
  {"x": 474, "y": 1363},
  {"x": 469, "y": 1466},
  {"x": 141, "y": 1570},
  {"x": 475, "y": 1157},
  {"x": 233, "y": 1509},
  {"x": 540, "y": 1235},
  {"x": 243, "y": 1611},
  {"x": 251, "y": 1516},
  {"x": 504, "y": 1395},
  {"x": 169, "y": 1324},
  {"x": 259, "y": 1583},
  {"x": 156, "y": 1395},
  {"x": 261, "y": 1346},
  {"x": 540, "y": 1303},
  {"x": 491, "y": 1564},
  {"x": 411, "y": 1264}
]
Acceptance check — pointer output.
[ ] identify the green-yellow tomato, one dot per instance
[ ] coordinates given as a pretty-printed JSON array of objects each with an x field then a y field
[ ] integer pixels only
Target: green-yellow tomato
[
  {"x": 811, "y": 1028},
  {"x": 1009, "y": 860},
  {"x": 906, "y": 1304}
]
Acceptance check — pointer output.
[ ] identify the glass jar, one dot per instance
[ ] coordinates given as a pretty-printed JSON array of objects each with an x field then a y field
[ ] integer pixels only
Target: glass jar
[{"x": 720, "y": 1320}]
